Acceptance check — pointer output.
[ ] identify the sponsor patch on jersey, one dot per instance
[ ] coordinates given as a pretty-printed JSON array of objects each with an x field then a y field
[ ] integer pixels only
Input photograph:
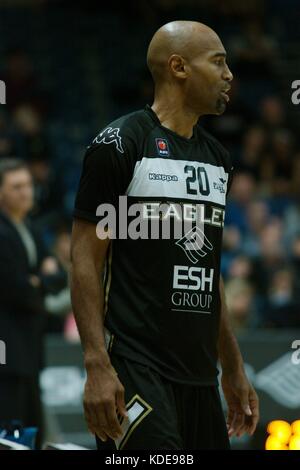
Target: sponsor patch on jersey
[
  {"x": 110, "y": 136},
  {"x": 195, "y": 244},
  {"x": 220, "y": 186},
  {"x": 162, "y": 147}
]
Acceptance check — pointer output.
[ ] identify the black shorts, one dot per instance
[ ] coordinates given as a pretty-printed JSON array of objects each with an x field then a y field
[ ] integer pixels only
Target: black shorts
[{"x": 167, "y": 415}]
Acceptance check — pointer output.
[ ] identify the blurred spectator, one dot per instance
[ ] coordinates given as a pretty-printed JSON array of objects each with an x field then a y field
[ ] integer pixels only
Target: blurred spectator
[
  {"x": 35, "y": 148},
  {"x": 252, "y": 152},
  {"x": 29, "y": 124},
  {"x": 239, "y": 298},
  {"x": 58, "y": 300},
  {"x": 21, "y": 303},
  {"x": 282, "y": 307},
  {"x": 291, "y": 222},
  {"x": 48, "y": 194},
  {"x": 241, "y": 268},
  {"x": 231, "y": 247},
  {"x": 279, "y": 163},
  {"x": 271, "y": 256},
  {"x": 258, "y": 216},
  {"x": 241, "y": 194}
]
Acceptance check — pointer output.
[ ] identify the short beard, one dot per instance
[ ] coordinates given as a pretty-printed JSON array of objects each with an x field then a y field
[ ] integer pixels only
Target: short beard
[{"x": 220, "y": 106}]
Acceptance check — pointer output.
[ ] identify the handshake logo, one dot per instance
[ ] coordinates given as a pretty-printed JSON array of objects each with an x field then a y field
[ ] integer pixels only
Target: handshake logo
[
  {"x": 2, "y": 92},
  {"x": 195, "y": 244}
]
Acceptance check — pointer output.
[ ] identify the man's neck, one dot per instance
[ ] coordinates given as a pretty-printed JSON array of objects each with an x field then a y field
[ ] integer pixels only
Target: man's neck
[{"x": 175, "y": 116}]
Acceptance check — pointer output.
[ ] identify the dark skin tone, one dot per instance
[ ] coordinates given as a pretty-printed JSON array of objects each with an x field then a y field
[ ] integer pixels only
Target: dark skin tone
[
  {"x": 241, "y": 398},
  {"x": 188, "y": 64}
]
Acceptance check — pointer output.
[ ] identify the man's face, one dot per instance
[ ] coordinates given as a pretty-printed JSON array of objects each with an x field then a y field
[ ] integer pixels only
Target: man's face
[
  {"x": 16, "y": 192},
  {"x": 209, "y": 79}
]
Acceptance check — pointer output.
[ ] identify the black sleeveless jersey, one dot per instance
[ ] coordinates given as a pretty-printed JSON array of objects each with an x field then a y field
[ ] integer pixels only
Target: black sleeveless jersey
[{"x": 162, "y": 300}]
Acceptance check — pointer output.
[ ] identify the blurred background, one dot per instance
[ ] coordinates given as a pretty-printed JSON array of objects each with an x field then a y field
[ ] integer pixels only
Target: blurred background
[{"x": 72, "y": 67}]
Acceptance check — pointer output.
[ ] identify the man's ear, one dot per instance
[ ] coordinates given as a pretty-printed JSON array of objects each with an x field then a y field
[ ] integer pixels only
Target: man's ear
[{"x": 177, "y": 66}]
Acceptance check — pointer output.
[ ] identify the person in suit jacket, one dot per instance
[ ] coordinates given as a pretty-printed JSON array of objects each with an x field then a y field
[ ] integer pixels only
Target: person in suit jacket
[{"x": 22, "y": 313}]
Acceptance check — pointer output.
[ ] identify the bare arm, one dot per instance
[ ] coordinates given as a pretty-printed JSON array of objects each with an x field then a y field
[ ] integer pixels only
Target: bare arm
[
  {"x": 88, "y": 255},
  {"x": 242, "y": 400},
  {"x": 104, "y": 394},
  {"x": 229, "y": 351}
]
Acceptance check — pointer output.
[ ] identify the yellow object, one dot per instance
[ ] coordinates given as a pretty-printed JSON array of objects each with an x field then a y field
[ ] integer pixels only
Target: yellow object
[
  {"x": 294, "y": 442},
  {"x": 272, "y": 443},
  {"x": 281, "y": 430},
  {"x": 296, "y": 427}
]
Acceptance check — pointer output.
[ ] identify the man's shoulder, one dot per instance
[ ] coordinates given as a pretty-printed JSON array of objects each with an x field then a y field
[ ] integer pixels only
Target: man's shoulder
[
  {"x": 126, "y": 131},
  {"x": 6, "y": 229}
]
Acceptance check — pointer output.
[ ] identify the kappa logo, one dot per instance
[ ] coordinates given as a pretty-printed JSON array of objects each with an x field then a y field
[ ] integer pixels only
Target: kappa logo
[
  {"x": 195, "y": 244},
  {"x": 162, "y": 177},
  {"x": 109, "y": 136},
  {"x": 162, "y": 147}
]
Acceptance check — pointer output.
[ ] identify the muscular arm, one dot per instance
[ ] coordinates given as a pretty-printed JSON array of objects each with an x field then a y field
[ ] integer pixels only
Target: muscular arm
[
  {"x": 88, "y": 255},
  {"x": 229, "y": 351},
  {"x": 241, "y": 398},
  {"x": 104, "y": 394}
]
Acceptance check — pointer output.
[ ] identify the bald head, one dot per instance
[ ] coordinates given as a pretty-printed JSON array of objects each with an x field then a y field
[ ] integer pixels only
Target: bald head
[
  {"x": 183, "y": 38},
  {"x": 187, "y": 61}
]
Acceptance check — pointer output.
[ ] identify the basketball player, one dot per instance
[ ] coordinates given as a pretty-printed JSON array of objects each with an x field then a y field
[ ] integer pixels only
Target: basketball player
[{"x": 151, "y": 312}]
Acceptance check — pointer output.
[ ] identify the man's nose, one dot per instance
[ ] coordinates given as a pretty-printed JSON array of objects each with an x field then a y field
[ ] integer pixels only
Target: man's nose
[{"x": 227, "y": 75}]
